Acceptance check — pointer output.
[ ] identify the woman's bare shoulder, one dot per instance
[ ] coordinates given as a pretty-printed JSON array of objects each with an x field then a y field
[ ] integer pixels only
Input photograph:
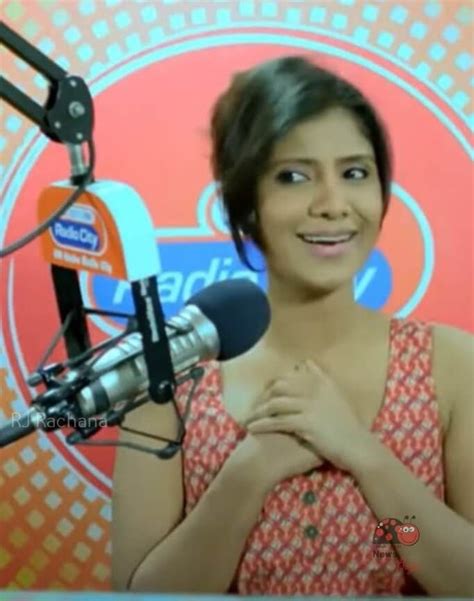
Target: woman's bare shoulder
[{"x": 453, "y": 358}]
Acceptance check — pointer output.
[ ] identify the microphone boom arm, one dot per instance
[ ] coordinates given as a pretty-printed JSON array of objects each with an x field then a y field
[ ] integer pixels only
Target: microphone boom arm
[
  {"x": 68, "y": 115},
  {"x": 109, "y": 213}
]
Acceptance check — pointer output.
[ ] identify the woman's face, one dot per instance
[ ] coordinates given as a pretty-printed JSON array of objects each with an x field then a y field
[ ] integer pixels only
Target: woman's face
[{"x": 320, "y": 203}]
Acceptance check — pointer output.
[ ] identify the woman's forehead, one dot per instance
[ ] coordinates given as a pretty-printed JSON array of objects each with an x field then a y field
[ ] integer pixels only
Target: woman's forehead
[{"x": 335, "y": 133}]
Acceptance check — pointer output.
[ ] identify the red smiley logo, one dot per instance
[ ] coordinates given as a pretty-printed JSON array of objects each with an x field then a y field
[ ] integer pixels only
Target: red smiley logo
[{"x": 408, "y": 534}]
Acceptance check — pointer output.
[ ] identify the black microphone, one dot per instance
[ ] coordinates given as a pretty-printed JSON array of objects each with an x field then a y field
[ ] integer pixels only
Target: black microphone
[{"x": 220, "y": 322}]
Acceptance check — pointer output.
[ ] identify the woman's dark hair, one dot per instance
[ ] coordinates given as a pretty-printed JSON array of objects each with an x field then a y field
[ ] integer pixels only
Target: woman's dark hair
[{"x": 259, "y": 108}]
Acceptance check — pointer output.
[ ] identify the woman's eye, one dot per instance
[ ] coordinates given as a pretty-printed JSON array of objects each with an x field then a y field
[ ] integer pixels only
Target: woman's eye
[
  {"x": 291, "y": 177},
  {"x": 356, "y": 173}
]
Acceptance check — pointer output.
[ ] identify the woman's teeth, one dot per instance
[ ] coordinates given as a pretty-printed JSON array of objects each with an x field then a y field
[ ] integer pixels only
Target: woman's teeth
[{"x": 323, "y": 239}]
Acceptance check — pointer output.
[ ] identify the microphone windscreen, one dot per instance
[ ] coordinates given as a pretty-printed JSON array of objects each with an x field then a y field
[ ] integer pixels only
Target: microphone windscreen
[{"x": 239, "y": 310}]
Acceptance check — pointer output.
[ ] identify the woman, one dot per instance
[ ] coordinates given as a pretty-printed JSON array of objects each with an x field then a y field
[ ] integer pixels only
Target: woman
[{"x": 340, "y": 417}]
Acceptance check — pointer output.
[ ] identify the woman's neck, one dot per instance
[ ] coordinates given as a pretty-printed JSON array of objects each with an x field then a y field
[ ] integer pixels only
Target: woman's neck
[{"x": 305, "y": 326}]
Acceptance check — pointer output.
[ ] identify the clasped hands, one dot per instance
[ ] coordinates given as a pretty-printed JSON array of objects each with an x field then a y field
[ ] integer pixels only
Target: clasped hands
[{"x": 307, "y": 404}]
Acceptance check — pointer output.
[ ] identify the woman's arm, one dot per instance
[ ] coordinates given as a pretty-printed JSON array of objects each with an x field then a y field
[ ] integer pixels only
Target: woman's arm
[
  {"x": 202, "y": 553},
  {"x": 147, "y": 492},
  {"x": 443, "y": 559},
  {"x": 153, "y": 547}
]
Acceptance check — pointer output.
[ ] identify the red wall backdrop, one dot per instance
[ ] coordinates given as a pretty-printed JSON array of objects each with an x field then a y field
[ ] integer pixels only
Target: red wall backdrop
[{"x": 154, "y": 69}]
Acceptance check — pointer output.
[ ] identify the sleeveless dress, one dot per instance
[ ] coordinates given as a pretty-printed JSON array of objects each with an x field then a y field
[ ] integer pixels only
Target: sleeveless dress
[{"x": 315, "y": 532}]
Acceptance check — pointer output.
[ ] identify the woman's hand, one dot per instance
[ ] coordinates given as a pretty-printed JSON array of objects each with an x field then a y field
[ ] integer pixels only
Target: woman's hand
[
  {"x": 270, "y": 458},
  {"x": 308, "y": 404}
]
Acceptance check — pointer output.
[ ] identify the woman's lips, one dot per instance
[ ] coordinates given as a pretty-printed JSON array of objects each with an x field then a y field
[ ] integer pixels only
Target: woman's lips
[{"x": 330, "y": 250}]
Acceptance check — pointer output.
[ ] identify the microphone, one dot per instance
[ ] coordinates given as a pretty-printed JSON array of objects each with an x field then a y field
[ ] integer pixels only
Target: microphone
[{"x": 220, "y": 322}]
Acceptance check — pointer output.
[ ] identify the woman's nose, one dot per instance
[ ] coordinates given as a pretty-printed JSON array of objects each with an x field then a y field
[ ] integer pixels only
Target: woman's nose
[{"x": 329, "y": 201}]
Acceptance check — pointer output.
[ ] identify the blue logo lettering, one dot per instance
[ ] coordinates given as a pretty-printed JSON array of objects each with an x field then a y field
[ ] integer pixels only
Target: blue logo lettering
[
  {"x": 190, "y": 266},
  {"x": 80, "y": 236},
  {"x": 373, "y": 283},
  {"x": 187, "y": 268}
]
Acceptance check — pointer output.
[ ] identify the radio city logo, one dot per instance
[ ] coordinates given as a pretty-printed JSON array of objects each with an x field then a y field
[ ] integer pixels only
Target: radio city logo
[
  {"x": 393, "y": 531},
  {"x": 80, "y": 228},
  {"x": 193, "y": 258}
]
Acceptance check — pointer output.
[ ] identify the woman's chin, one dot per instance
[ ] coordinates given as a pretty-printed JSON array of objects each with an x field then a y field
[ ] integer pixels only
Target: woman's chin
[
  {"x": 318, "y": 279},
  {"x": 317, "y": 287},
  {"x": 329, "y": 277},
  {"x": 321, "y": 289}
]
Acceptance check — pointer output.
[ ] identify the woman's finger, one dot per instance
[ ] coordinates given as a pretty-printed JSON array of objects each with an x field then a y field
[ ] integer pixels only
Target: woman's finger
[
  {"x": 313, "y": 367},
  {"x": 275, "y": 407},
  {"x": 288, "y": 424},
  {"x": 275, "y": 388}
]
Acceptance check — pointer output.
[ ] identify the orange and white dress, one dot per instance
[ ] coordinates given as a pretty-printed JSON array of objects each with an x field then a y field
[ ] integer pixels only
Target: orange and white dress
[{"x": 314, "y": 534}]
